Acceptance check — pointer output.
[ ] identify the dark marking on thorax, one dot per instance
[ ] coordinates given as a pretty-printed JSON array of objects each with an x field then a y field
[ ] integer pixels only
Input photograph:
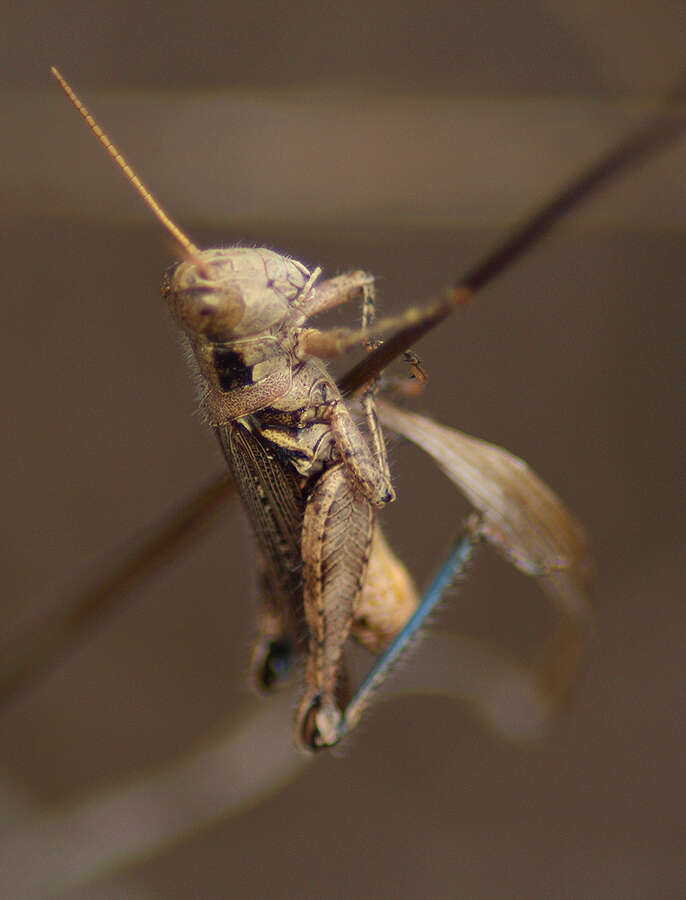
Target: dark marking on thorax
[{"x": 232, "y": 372}]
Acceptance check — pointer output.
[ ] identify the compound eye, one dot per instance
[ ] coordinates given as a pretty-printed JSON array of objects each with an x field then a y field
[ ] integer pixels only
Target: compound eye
[{"x": 214, "y": 312}]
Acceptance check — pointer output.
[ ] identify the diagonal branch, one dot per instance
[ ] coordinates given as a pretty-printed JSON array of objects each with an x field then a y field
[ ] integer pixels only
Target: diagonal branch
[{"x": 646, "y": 140}]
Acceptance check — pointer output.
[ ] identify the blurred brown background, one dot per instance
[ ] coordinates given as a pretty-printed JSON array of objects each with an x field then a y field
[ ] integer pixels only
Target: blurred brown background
[{"x": 401, "y": 138}]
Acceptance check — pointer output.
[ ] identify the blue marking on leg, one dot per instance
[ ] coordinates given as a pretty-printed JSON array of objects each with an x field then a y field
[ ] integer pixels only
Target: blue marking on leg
[{"x": 454, "y": 564}]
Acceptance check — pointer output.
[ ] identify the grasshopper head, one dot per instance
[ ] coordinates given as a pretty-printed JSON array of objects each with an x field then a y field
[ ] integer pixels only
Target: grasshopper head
[{"x": 224, "y": 295}]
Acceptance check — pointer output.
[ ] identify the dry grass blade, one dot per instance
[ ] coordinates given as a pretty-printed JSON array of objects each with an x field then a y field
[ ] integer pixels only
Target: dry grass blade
[
  {"x": 110, "y": 830},
  {"x": 113, "y": 828},
  {"x": 519, "y": 514}
]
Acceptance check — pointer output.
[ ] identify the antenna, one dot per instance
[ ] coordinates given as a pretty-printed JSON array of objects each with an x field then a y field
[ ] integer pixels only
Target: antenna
[{"x": 120, "y": 160}]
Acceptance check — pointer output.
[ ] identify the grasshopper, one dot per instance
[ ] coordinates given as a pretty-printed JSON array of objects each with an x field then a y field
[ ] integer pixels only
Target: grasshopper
[{"x": 311, "y": 480}]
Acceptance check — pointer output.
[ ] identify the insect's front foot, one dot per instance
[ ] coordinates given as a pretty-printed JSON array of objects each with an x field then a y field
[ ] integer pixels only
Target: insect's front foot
[{"x": 320, "y": 726}]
